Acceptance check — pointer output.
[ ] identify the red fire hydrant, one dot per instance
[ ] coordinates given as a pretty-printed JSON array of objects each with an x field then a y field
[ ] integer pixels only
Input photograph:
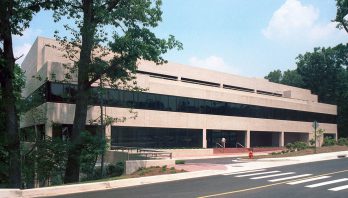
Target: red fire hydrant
[{"x": 251, "y": 154}]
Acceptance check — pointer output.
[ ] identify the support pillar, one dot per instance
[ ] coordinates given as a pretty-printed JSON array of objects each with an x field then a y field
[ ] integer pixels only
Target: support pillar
[
  {"x": 204, "y": 138},
  {"x": 48, "y": 129},
  {"x": 247, "y": 139},
  {"x": 281, "y": 139},
  {"x": 108, "y": 135}
]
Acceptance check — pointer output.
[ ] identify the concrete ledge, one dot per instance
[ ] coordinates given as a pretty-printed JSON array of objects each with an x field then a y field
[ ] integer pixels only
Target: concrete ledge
[
  {"x": 65, "y": 189},
  {"x": 189, "y": 152},
  {"x": 134, "y": 165}
]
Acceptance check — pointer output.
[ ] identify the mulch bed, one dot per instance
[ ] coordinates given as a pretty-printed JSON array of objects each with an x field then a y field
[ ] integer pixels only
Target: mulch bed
[
  {"x": 155, "y": 171},
  {"x": 310, "y": 151}
]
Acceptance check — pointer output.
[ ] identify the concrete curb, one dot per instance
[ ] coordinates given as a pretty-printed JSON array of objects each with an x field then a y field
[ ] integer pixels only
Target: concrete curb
[
  {"x": 10, "y": 193},
  {"x": 97, "y": 186}
]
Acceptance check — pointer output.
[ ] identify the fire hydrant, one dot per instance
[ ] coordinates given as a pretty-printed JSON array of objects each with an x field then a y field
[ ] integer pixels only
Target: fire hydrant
[{"x": 251, "y": 154}]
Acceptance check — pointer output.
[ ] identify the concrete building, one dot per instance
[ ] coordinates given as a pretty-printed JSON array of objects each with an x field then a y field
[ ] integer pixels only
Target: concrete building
[{"x": 182, "y": 107}]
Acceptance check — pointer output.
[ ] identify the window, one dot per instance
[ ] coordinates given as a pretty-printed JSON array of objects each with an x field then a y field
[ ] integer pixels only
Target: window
[
  {"x": 59, "y": 92},
  {"x": 148, "y": 137}
]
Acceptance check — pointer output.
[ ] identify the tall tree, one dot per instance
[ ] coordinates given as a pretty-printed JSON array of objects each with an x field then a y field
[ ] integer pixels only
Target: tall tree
[
  {"x": 324, "y": 72},
  {"x": 342, "y": 11},
  {"x": 15, "y": 16},
  {"x": 19, "y": 82},
  {"x": 275, "y": 76},
  {"x": 321, "y": 72},
  {"x": 114, "y": 60},
  {"x": 292, "y": 78},
  {"x": 288, "y": 77}
]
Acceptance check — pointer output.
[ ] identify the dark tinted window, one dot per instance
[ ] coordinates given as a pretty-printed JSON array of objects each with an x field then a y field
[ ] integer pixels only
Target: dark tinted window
[
  {"x": 147, "y": 137},
  {"x": 59, "y": 92}
]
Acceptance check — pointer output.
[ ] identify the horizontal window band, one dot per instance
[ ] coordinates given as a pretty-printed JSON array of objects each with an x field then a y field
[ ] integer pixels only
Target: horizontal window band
[{"x": 65, "y": 93}]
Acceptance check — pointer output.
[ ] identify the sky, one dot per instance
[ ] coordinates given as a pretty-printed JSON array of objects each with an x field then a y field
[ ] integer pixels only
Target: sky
[{"x": 243, "y": 37}]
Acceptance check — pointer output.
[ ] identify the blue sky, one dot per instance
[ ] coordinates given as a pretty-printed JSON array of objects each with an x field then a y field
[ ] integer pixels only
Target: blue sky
[{"x": 245, "y": 37}]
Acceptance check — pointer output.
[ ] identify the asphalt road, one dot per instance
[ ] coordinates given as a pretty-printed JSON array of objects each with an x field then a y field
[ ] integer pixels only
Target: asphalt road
[{"x": 269, "y": 183}]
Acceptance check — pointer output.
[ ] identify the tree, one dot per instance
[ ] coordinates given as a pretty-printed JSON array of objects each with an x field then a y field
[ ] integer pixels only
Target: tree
[
  {"x": 292, "y": 78},
  {"x": 15, "y": 16},
  {"x": 19, "y": 81},
  {"x": 321, "y": 72},
  {"x": 324, "y": 72},
  {"x": 342, "y": 11},
  {"x": 112, "y": 60},
  {"x": 288, "y": 77},
  {"x": 275, "y": 76}
]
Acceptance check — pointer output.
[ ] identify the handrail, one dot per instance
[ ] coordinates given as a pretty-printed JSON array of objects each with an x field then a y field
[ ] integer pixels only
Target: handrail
[
  {"x": 221, "y": 147},
  {"x": 239, "y": 145},
  {"x": 142, "y": 151},
  {"x": 218, "y": 144}
]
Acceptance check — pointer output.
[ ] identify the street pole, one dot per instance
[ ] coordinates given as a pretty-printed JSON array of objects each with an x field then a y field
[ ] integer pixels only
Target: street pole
[
  {"x": 102, "y": 127},
  {"x": 315, "y": 138},
  {"x": 315, "y": 125}
]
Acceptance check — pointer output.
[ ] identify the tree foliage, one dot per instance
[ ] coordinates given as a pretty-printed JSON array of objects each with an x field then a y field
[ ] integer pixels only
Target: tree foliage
[
  {"x": 19, "y": 83},
  {"x": 275, "y": 76},
  {"x": 342, "y": 11},
  {"x": 15, "y": 16},
  {"x": 324, "y": 71},
  {"x": 45, "y": 158},
  {"x": 288, "y": 77}
]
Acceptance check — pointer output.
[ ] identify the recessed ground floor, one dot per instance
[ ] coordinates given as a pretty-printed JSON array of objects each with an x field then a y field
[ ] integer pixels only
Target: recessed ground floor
[{"x": 156, "y": 137}]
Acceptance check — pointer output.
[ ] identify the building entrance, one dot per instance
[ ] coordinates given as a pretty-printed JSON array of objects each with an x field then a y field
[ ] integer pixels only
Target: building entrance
[{"x": 231, "y": 137}]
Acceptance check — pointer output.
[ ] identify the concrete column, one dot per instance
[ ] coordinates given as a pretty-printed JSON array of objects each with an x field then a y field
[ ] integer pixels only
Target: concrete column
[
  {"x": 204, "y": 138},
  {"x": 247, "y": 139},
  {"x": 48, "y": 129},
  {"x": 108, "y": 135},
  {"x": 281, "y": 139}
]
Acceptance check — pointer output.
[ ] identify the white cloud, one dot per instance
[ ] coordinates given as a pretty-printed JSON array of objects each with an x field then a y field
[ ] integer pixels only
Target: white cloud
[
  {"x": 21, "y": 51},
  {"x": 23, "y": 43},
  {"x": 28, "y": 33},
  {"x": 294, "y": 21},
  {"x": 213, "y": 63}
]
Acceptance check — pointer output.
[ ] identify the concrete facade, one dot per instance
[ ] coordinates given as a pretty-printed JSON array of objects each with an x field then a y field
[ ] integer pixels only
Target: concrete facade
[{"x": 47, "y": 62}]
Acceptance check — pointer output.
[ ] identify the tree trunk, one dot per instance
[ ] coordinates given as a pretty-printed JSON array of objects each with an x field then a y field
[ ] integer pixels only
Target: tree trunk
[
  {"x": 7, "y": 79},
  {"x": 72, "y": 171}
]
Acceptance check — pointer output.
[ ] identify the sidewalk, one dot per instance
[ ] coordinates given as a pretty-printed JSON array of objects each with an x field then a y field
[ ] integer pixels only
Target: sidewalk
[
  {"x": 231, "y": 168},
  {"x": 222, "y": 155}
]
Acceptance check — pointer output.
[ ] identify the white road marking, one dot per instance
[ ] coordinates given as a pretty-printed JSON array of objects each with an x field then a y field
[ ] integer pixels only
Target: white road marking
[
  {"x": 308, "y": 180},
  {"x": 275, "y": 175},
  {"x": 291, "y": 177},
  {"x": 339, "y": 188},
  {"x": 327, "y": 183},
  {"x": 253, "y": 174},
  {"x": 242, "y": 172}
]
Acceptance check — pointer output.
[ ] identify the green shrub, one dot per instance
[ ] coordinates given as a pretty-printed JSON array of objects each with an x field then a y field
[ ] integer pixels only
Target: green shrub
[
  {"x": 296, "y": 146},
  {"x": 342, "y": 141},
  {"x": 164, "y": 168},
  {"x": 300, "y": 145},
  {"x": 328, "y": 141},
  {"x": 179, "y": 161},
  {"x": 312, "y": 142},
  {"x": 290, "y": 147},
  {"x": 114, "y": 170}
]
